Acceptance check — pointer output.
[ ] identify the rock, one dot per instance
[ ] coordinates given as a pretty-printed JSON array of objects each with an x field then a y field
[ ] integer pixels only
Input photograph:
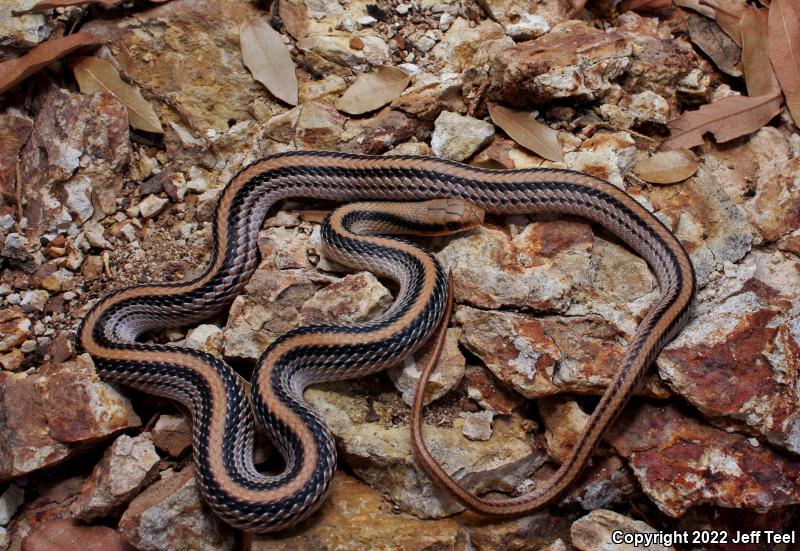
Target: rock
[
  {"x": 206, "y": 203},
  {"x": 381, "y": 454},
  {"x": 448, "y": 373},
  {"x": 319, "y": 126},
  {"x": 525, "y": 19},
  {"x": 123, "y": 471},
  {"x": 377, "y": 134},
  {"x": 269, "y": 308},
  {"x": 95, "y": 235},
  {"x": 465, "y": 46},
  {"x": 285, "y": 248},
  {"x": 192, "y": 83},
  {"x": 175, "y": 186},
  {"x": 354, "y": 512},
  {"x": 15, "y": 328},
  {"x": 69, "y": 535},
  {"x": 430, "y": 94},
  {"x": 15, "y": 127},
  {"x": 34, "y": 301},
  {"x": 605, "y": 483},
  {"x": 597, "y": 530},
  {"x": 457, "y": 137},
  {"x": 490, "y": 395},
  {"x": 574, "y": 61},
  {"x": 206, "y": 337},
  {"x": 336, "y": 47},
  {"x": 20, "y": 32},
  {"x": 171, "y": 514},
  {"x": 478, "y": 425},
  {"x": 12, "y": 361},
  {"x": 52, "y": 411},
  {"x": 79, "y": 142},
  {"x": 172, "y": 434},
  {"x": 734, "y": 360},
  {"x": 563, "y": 420},
  {"x": 10, "y": 501},
  {"x": 714, "y": 467},
  {"x": 607, "y": 156},
  {"x": 539, "y": 268},
  {"x": 663, "y": 64},
  {"x": 356, "y": 298},
  {"x": 152, "y": 205}
]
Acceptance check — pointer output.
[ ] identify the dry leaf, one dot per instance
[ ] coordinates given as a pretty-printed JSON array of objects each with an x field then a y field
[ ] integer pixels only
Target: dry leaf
[
  {"x": 645, "y": 6},
  {"x": 373, "y": 90},
  {"x": 94, "y": 74},
  {"x": 267, "y": 57},
  {"x": 727, "y": 119},
  {"x": 727, "y": 14},
  {"x": 524, "y": 129},
  {"x": 17, "y": 70},
  {"x": 294, "y": 17},
  {"x": 696, "y": 5},
  {"x": 758, "y": 72},
  {"x": 717, "y": 45},
  {"x": 784, "y": 50},
  {"x": 667, "y": 167}
]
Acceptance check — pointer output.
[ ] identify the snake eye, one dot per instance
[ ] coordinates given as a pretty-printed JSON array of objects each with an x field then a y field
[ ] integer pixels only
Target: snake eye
[{"x": 452, "y": 226}]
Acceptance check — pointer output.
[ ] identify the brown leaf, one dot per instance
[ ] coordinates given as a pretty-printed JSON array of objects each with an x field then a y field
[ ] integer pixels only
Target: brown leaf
[
  {"x": 373, "y": 90},
  {"x": 645, "y": 6},
  {"x": 17, "y": 70},
  {"x": 524, "y": 129},
  {"x": 717, "y": 45},
  {"x": 784, "y": 50},
  {"x": 294, "y": 17},
  {"x": 727, "y": 119},
  {"x": 758, "y": 72},
  {"x": 94, "y": 74},
  {"x": 697, "y": 5},
  {"x": 667, "y": 167},
  {"x": 728, "y": 13},
  {"x": 267, "y": 57}
]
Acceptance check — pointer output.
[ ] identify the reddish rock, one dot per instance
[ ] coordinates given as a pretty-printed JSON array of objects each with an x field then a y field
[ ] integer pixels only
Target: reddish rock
[
  {"x": 14, "y": 328},
  {"x": 355, "y": 298},
  {"x": 172, "y": 434},
  {"x": 70, "y": 535},
  {"x": 76, "y": 149},
  {"x": 682, "y": 463},
  {"x": 485, "y": 390},
  {"x": 739, "y": 358},
  {"x": 15, "y": 127},
  {"x": 52, "y": 411},
  {"x": 574, "y": 61}
]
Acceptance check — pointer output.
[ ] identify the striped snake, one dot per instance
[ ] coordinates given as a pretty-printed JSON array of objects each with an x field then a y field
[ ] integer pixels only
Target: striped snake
[{"x": 214, "y": 394}]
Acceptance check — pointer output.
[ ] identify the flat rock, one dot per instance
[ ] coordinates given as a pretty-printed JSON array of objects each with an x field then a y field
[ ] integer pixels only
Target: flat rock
[
  {"x": 682, "y": 463},
  {"x": 465, "y": 45},
  {"x": 735, "y": 359},
  {"x": 70, "y": 535},
  {"x": 355, "y": 298},
  {"x": 380, "y": 453},
  {"x": 595, "y": 532},
  {"x": 21, "y": 31},
  {"x": 573, "y": 61},
  {"x": 52, "y": 411},
  {"x": 355, "y": 516},
  {"x": 125, "y": 468},
  {"x": 171, "y": 514}
]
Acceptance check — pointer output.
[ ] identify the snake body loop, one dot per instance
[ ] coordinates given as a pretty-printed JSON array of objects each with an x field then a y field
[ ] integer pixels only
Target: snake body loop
[{"x": 223, "y": 425}]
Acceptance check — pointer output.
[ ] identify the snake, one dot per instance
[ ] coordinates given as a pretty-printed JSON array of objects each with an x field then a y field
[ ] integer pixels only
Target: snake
[{"x": 223, "y": 426}]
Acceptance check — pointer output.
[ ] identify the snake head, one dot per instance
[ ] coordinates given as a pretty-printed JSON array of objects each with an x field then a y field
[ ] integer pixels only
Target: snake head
[{"x": 453, "y": 215}]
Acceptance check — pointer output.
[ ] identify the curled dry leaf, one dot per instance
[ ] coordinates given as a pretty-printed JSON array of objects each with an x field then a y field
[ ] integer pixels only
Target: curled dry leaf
[
  {"x": 697, "y": 5},
  {"x": 721, "y": 48},
  {"x": 524, "y": 129},
  {"x": 645, "y": 6},
  {"x": 373, "y": 90},
  {"x": 758, "y": 72},
  {"x": 267, "y": 57},
  {"x": 784, "y": 50},
  {"x": 726, "y": 119},
  {"x": 17, "y": 70},
  {"x": 94, "y": 74},
  {"x": 728, "y": 13},
  {"x": 667, "y": 167}
]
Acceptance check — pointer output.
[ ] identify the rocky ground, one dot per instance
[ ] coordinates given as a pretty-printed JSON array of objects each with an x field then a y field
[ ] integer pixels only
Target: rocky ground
[{"x": 544, "y": 305}]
